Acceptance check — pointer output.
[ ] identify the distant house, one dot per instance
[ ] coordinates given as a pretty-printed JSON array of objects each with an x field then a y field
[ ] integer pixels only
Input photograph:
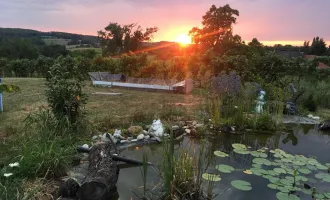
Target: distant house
[{"x": 320, "y": 65}]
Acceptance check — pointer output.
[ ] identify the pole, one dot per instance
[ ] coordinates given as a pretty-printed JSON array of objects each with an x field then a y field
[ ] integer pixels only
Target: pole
[{"x": 1, "y": 105}]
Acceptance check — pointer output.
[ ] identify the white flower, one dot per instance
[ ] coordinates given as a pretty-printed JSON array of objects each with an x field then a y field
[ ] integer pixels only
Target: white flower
[
  {"x": 16, "y": 164},
  {"x": 7, "y": 174}
]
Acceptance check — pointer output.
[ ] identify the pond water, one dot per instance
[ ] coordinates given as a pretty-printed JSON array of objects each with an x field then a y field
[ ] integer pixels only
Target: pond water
[{"x": 302, "y": 140}]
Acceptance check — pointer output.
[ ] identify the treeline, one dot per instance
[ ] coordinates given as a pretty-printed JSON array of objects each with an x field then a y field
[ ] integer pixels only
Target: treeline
[{"x": 8, "y": 33}]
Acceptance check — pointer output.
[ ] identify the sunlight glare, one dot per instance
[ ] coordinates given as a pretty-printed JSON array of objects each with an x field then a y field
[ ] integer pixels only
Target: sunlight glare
[{"x": 183, "y": 39}]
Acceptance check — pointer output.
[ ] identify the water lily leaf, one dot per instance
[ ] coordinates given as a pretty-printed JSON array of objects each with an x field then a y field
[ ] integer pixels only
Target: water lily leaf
[
  {"x": 211, "y": 177},
  {"x": 241, "y": 151},
  {"x": 220, "y": 154},
  {"x": 256, "y": 165},
  {"x": 272, "y": 186},
  {"x": 299, "y": 163},
  {"x": 238, "y": 146},
  {"x": 311, "y": 167},
  {"x": 247, "y": 172},
  {"x": 241, "y": 185},
  {"x": 283, "y": 189},
  {"x": 327, "y": 195},
  {"x": 224, "y": 168},
  {"x": 304, "y": 171},
  {"x": 321, "y": 167},
  {"x": 301, "y": 178},
  {"x": 278, "y": 155},
  {"x": 319, "y": 196},
  {"x": 327, "y": 164},
  {"x": 262, "y": 161},
  {"x": 258, "y": 154},
  {"x": 256, "y": 171},
  {"x": 274, "y": 180},
  {"x": 279, "y": 151},
  {"x": 272, "y": 173},
  {"x": 280, "y": 170},
  {"x": 272, "y": 151},
  {"x": 321, "y": 175},
  {"x": 285, "y": 196},
  {"x": 286, "y": 160},
  {"x": 286, "y": 182},
  {"x": 290, "y": 178},
  {"x": 312, "y": 161}
]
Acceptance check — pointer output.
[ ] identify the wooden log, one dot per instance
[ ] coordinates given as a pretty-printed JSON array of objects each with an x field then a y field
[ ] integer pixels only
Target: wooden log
[
  {"x": 100, "y": 182},
  {"x": 101, "y": 179}
]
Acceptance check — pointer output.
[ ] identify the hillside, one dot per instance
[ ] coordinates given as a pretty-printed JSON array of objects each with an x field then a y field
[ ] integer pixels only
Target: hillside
[{"x": 8, "y": 33}]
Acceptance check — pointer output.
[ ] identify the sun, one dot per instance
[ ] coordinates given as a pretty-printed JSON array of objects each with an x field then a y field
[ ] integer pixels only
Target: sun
[{"x": 183, "y": 39}]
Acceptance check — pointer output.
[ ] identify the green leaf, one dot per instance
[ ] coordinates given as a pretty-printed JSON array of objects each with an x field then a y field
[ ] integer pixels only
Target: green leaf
[
  {"x": 304, "y": 171},
  {"x": 224, "y": 168},
  {"x": 272, "y": 186},
  {"x": 258, "y": 154},
  {"x": 241, "y": 185},
  {"x": 211, "y": 177},
  {"x": 280, "y": 170},
  {"x": 241, "y": 151},
  {"x": 9, "y": 88},
  {"x": 220, "y": 154},
  {"x": 238, "y": 146},
  {"x": 284, "y": 196}
]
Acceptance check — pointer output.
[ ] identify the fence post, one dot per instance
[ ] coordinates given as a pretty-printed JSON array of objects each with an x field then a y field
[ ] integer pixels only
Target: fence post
[{"x": 1, "y": 105}]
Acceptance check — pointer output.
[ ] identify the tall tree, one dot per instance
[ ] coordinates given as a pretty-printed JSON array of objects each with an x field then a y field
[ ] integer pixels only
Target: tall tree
[
  {"x": 318, "y": 47},
  {"x": 255, "y": 43},
  {"x": 306, "y": 47},
  {"x": 217, "y": 26},
  {"x": 116, "y": 38}
]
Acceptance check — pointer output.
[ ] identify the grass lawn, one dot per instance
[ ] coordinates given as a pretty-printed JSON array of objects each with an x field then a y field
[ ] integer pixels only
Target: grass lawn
[{"x": 103, "y": 111}]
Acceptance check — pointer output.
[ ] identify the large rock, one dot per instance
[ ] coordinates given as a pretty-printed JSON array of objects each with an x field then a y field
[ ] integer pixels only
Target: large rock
[
  {"x": 135, "y": 130},
  {"x": 156, "y": 129}
]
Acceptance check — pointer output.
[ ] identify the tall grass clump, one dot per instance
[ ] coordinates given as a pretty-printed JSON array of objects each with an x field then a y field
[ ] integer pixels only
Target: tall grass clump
[{"x": 181, "y": 172}]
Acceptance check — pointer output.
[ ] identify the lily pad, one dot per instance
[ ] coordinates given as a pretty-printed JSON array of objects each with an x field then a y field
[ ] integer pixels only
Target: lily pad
[
  {"x": 280, "y": 170},
  {"x": 262, "y": 161},
  {"x": 286, "y": 182},
  {"x": 238, "y": 146},
  {"x": 241, "y": 151},
  {"x": 306, "y": 191},
  {"x": 258, "y": 154},
  {"x": 247, "y": 171},
  {"x": 274, "y": 180},
  {"x": 220, "y": 154},
  {"x": 224, "y": 168},
  {"x": 272, "y": 186},
  {"x": 241, "y": 185},
  {"x": 301, "y": 178},
  {"x": 321, "y": 167},
  {"x": 285, "y": 196},
  {"x": 211, "y": 177},
  {"x": 304, "y": 171}
]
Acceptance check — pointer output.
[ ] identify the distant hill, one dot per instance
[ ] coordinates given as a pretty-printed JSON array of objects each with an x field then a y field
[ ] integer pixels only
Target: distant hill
[{"x": 71, "y": 38}]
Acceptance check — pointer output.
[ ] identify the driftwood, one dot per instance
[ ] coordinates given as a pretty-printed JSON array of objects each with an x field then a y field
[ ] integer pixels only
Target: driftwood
[{"x": 101, "y": 179}]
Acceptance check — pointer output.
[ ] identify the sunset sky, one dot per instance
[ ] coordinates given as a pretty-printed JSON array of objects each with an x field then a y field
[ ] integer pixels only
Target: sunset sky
[{"x": 271, "y": 21}]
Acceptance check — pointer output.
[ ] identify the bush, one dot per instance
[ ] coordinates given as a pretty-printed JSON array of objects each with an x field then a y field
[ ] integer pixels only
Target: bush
[
  {"x": 310, "y": 104},
  {"x": 64, "y": 90}
]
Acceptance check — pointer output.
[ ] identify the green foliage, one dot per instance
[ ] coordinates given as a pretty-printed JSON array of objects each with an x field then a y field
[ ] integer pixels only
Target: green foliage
[
  {"x": 310, "y": 103},
  {"x": 54, "y": 51},
  {"x": 18, "y": 49},
  {"x": 8, "y": 88},
  {"x": 64, "y": 89},
  {"x": 117, "y": 39},
  {"x": 318, "y": 47}
]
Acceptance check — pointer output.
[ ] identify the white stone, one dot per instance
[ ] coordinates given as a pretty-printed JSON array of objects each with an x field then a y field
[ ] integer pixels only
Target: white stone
[
  {"x": 156, "y": 129},
  {"x": 134, "y": 140},
  {"x": 85, "y": 146},
  {"x": 16, "y": 164},
  {"x": 175, "y": 127},
  {"x": 123, "y": 141},
  {"x": 187, "y": 131},
  {"x": 95, "y": 137},
  {"x": 7, "y": 174},
  {"x": 140, "y": 137},
  {"x": 146, "y": 137},
  {"x": 145, "y": 132},
  {"x": 117, "y": 134}
]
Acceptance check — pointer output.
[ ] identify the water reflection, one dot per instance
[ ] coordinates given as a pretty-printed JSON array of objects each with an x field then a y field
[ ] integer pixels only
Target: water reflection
[{"x": 302, "y": 140}]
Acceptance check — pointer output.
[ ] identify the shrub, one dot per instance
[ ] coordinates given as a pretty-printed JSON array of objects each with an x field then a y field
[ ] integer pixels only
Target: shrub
[
  {"x": 64, "y": 89},
  {"x": 310, "y": 104}
]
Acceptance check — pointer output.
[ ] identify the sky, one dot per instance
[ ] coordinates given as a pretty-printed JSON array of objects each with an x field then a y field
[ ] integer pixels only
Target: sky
[{"x": 270, "y": 21}]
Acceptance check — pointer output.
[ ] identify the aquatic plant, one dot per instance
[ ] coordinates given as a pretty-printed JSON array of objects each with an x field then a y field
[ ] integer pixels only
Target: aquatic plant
[{"x": 287, "y": 173}]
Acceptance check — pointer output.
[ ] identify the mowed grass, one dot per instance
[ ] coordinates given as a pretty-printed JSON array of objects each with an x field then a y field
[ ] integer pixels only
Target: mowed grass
[
  {"x": 103, "y": 111},
  {"x": 56, "y": 41}
]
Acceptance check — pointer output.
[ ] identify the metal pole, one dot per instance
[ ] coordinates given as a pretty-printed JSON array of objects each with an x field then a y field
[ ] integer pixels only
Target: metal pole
[{"x": 1, "y": 105}]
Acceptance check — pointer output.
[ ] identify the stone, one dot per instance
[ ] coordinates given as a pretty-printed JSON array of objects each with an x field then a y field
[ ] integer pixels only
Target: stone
[
  {"x": 194, "y": 123},
  {"x": 187, "y": 131},
  {"x": 185, "y": 127},
  {"x": 130, "y": 138},
  {"x": 135, "y": 130},
  {"x": 117, "y": 135},
  {"x": 156, "y": 139},
  {"x": 199, "y": 125},
  {"x": 156, "y": 129},
  {"x": 140, "y": 137},
  {"x": 134, "y": 140},
  {"x": 95, "y": 137},
  {"x": 123, "y": 141},
  {"x": 145, "y": 132},
  {"x": 175, "y": 127},
  {"x": 104, "y": 137},
  {"x": 146, "y": 137},
  {"x": 85, "y": 146}
]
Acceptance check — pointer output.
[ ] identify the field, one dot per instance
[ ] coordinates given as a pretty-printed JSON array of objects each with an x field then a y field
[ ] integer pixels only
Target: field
[
  {"x": 104, "y": 112},
  {"x": 56, "y": 41}
]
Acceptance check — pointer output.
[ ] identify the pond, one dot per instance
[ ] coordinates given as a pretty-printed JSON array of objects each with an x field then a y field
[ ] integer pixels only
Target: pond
[{"x": 302, "y": 140}]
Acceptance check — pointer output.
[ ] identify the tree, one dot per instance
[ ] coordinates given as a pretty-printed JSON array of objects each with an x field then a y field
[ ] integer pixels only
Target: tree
[
  {"x": 318, "y": 47},
  {"x": 117, "y": 39},
  {"x": 54, "y": 51},
  {"x": 306, "y": 47},
  {"x": 217, "y": 26},
  {"x": 18, "y": 49},
  {"x": 255, "y": 43}
]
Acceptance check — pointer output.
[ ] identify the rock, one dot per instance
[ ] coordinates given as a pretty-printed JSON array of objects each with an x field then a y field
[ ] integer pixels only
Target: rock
[
  {"x": 175, "y": 127},
  {"x": 140, "y": 137},
  {"x": 135, "y": 130},
  {"x": 193, "y": 132},
  {"x": 146, "y": 137},
  {"x": 134, "y": 140},
  {"x": 85, "y": 146},
  {"x": 95, "y": 138},
  {"x": 185, "y": 127},
  {"x": 105, "y": 138},
  {"x": 130, "y": 138},
  {"x": 146, "y": 127},
  {"x": 156, "y": 139},
  {"x": 187, "y": 131},
  {"x": 69, "y": 188},
  {"x": 123, "y": 141},
  {"x": 117, "y": 135},
  {"x": 156, "y": 129},
  {"x": 178, "y": 132},
  {"x": 194, "y": 123},
  {"x": 145, "y": 132}
]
